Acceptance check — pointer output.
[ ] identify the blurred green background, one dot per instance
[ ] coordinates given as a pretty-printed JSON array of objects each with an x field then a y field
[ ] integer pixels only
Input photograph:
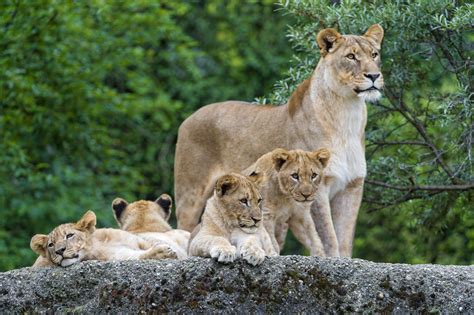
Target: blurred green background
[{"x": 92, "y": 94}]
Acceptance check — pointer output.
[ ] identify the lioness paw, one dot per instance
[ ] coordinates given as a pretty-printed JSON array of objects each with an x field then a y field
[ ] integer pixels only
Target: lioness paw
[
  {"x": 252, "y": 254},
  {"x": 224, "y": 254}
]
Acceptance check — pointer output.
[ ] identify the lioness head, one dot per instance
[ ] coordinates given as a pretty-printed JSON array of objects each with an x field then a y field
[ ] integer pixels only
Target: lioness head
[
  {"x": 300, "y": 172},
  {"x": 64, "y": 245},
  {"x": 352, "y": 63},
  {"x": 143, "y": 215},
  {"x": 239, "y": 201}
]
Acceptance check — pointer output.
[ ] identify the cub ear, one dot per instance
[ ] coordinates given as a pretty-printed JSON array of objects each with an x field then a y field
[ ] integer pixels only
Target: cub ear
[
  {"x": 165, "y": 202},
  {"x": 375, "y": 32},
  {"x": 322, "y": 155},
  {"x": 256, "y": 177},
  {"x": 226, "y": 184},
  {"x": 118, "y": 205},
  {"x": 38, "y": 244},
  {"x": 279, "y": 157},
  {"x": 326, "y": 40},
  {"x": 87, "y": 222}
]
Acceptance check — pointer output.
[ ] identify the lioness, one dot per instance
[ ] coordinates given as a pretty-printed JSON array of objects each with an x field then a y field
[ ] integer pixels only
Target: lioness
[
  {"x": 149, "y": 220},
  {"x": 71, "y": 243},
  {"x": 327, "y": 110},
  {"x": 231, "y": 224},
  {"x": 293, "y": 178}
]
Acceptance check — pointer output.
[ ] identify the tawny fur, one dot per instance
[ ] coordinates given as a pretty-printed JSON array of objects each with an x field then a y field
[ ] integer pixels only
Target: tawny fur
[
  {"x": 291, "y": 186},
  {"x": 327, "y": 111},
  {"x": 149, "y": 220},
  {"x": 231, "y": 228},
  {"x": 82, "y": 241}
]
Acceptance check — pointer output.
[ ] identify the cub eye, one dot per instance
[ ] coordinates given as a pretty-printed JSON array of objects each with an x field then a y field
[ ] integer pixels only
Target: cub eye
[
  {"x": 314, "y": 175},
  {"x": 69, "y": 235},
  {"x": 259, "y": 200},
  {"x": 351, "y": 56},
  {"x": 50, "y": 245},
  {"x": 374, "y": 55},
  {"x": 244, "y": 201},
  {"x": 295, "y": 176}
]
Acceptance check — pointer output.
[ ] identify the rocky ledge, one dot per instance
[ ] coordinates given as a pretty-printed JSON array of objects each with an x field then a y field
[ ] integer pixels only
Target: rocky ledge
[{"x": 288, "y": 284}]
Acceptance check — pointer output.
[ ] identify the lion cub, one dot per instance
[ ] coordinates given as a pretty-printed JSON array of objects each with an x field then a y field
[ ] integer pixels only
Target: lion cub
[
  {"x": 231, "y": 224},
  {"x": 149, "y": 220},
  {"x": 291, "y": 180},
  {"x": 71, "y": 243}
]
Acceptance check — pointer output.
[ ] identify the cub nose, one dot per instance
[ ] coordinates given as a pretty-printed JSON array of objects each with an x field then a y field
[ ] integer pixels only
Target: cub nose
[
  {"x": 256, "y": 220},
  {"x": 306, "y": 195},
  {"x": 60, "y": 251},
  {"x": 372, "y": 76}
]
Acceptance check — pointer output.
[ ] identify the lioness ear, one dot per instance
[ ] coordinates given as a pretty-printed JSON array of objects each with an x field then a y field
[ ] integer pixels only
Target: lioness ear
[
  {"x": 165, "y": 202},
  {"x": 375, "y": 32},
  {"x": 322, "y": 155},
  {"x": 87, "y": 222},
  {"x": 226, "y": 184},
  {"x": 38, "y": 244},
  {"x": 279, "y": 157},
  {"x": 118, "y": 205},
  {"x": 326, "y": 40}
]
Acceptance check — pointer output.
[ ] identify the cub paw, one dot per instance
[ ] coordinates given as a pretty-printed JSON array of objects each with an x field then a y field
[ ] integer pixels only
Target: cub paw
[
  {"x": 162, "y": 252},
  {"x": 224, "y": 254},
  {"x": 252, "y": 254}
]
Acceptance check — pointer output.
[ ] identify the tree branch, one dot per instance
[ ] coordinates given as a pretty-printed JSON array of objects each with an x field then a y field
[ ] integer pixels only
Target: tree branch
[{"x": 463, "y": 187}]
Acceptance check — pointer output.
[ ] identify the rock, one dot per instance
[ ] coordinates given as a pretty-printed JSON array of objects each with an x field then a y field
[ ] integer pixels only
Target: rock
[{"x": 287, "y": 284}]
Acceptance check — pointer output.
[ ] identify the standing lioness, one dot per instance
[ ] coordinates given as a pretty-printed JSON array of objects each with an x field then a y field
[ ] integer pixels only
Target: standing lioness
[{"x": 327, "y": 110}]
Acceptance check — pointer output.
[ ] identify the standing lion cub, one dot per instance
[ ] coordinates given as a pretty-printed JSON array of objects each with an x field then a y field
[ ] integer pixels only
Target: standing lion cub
[
  {"x": 149, "y": 220},
  {"x": 231, "y": 224},
  {"x": 71, "y": 243},
  {"x": 290, "y": 185}
]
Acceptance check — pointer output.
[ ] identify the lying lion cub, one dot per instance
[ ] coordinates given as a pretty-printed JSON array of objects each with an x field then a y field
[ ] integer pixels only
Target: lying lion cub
[
  {"x": 71, "y": 243},
  {"x": 231, "y": 224},
  {"x": 290, "y": 186},
  {"x": 149, "y": 220}
]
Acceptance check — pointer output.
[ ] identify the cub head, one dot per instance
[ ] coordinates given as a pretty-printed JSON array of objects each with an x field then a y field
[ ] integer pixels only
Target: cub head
[
  {"x": 239, "y": 202},
  {"x": 299, "y": 172},
  {"x": 351, "y": 63},
  {"x": 65, "y": 245},
  {"x": 143, "y": 215}
]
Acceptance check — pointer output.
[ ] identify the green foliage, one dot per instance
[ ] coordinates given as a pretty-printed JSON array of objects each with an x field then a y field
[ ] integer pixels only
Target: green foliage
[
  {"x": 92, "y": 94},
  {"x": 418, "y": 202}
]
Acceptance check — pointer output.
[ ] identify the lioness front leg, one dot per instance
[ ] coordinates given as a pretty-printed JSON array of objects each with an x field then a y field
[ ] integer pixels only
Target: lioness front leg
[
  {"x": 304, "y": 230},
  {"x": 251, "y": 252},
  {"x": 345, "y": 208},
  {"x": 321, "y": 214},
  {"x": 216, "y": 247}
]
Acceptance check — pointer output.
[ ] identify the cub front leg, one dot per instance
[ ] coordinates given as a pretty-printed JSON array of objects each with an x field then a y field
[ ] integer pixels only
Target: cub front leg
[
  {"x": 216, "y": 247},
  {"x": 303, "y": 228},
  {"x": 162, "y": 251},
  {"x": 251, "y": 252},
  {"x": 269, "y": 225}
]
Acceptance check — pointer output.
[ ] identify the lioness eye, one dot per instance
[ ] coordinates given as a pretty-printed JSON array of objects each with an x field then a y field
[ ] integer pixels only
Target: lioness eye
[
  {"x": 69, "y": 235},
  {"x": 244, "y": 201},
  {"x": 295, "y": 175},
  {"x": 374, "y": 55},
  {"x": 50, "y": 245},
  {"x": 351, "y": 56},
  {"x": 313, "y": 176}
]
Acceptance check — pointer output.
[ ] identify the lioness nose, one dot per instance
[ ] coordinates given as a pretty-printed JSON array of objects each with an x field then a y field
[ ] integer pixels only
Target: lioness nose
[
  {"x": 372, "y": 76},
  {"x": 60, "y": 251}
]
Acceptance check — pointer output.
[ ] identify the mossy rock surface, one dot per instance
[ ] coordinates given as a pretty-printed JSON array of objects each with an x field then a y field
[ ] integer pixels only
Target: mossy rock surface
[{"x": 285, "y": 284}]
